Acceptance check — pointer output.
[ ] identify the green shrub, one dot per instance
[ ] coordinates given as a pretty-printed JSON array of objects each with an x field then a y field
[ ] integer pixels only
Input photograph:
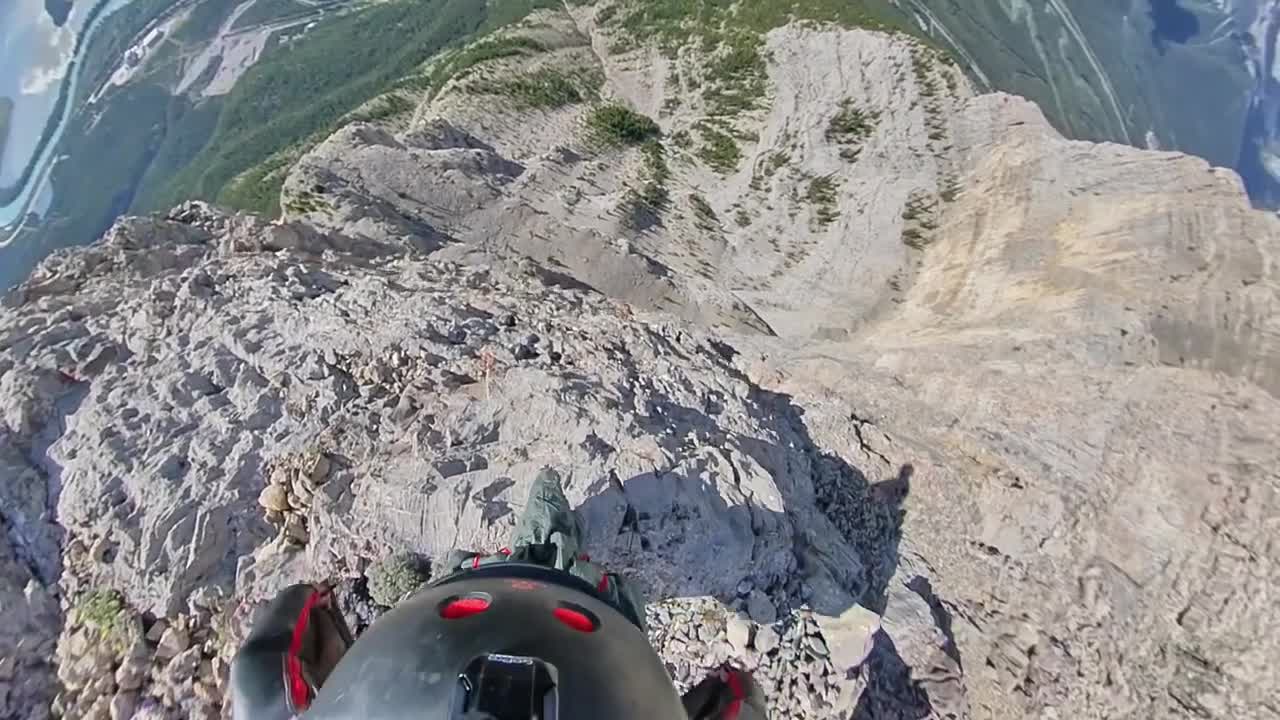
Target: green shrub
[
  {"x": 616, "y": 124},
  {"x": 703, "y": 213},
  {"x": 719, "y": 150},
  {"x": 851, "y": 124},
  {"x": 821, "y": 193},
  {"x": 102, "y": 610},
  {"x": 305, "y": 202},
  {"x": 394, "y": 577},
  {"x": 914, "y": 238},
  {"x": 822, "y": 190},
  {"x": 950, "y": 189},
  {"x": 916, "y": 206}
]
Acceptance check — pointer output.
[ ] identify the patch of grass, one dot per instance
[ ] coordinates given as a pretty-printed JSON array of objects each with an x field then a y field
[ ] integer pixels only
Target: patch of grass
[
  {"x": 305, "y": 202},
  {"x": 822, "y": 190},
  {"x": 821, "y": 193},
  {"x": 102, "y": 610},
  {"x": 494, "y": 49},
  {"x": 623, "y": 45},
  {"x": 732, "y": 31},
  {"x": 617, "y": 124},
  {"x": 718, "y": 150},
  {"x": 461, "y": 61},
  {"x": 546, "y": 88},
  {"x": 386, "y": 107},
  {"x": 396, "y": 577},
  {"x": 736, "y": 75}
]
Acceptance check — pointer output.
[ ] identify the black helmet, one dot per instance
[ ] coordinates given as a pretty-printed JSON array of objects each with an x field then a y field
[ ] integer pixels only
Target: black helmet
[{"x": 508, "y": 641}]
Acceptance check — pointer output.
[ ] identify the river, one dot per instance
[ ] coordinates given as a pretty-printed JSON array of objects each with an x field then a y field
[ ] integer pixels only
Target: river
[
  {"x": 33, "y": 195},
  {"x": 34, "y": 55}
]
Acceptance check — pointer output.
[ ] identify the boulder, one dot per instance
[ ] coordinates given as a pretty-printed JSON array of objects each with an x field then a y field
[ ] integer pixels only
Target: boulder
[{"x": 850, "y": 637}]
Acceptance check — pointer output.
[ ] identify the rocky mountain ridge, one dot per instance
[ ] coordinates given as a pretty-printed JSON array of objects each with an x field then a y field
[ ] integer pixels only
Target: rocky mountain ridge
[{"x": 872, "y": 353}]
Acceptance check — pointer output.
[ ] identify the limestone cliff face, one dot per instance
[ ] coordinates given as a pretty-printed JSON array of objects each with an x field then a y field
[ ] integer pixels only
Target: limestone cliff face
[
  {"x": 1082, "y": 377},
  {"x": 911, "y": 360}
]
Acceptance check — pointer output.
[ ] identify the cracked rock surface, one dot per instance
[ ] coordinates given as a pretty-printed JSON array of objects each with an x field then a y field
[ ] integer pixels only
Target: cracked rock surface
[{"x": 273, "y": 415}]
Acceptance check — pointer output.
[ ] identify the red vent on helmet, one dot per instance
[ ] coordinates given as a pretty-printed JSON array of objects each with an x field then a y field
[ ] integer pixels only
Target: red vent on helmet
[
  {"x": 463, "y": 607},
  {"x": 576, "y": 618}
]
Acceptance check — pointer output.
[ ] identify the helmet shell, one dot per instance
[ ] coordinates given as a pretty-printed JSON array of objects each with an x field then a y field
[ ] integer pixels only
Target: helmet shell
[{"x": 408, "y": 663}]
